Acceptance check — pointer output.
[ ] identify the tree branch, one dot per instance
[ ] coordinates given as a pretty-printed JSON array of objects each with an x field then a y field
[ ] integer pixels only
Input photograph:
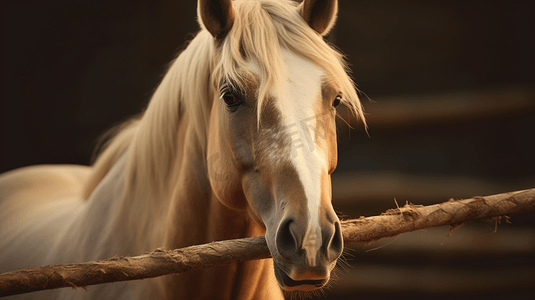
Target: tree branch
[
  {"x": 163, "y": 262},
  {"x": 453, "y": 212}
]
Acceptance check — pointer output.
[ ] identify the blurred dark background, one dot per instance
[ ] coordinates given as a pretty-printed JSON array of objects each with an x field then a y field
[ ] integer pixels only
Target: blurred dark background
[{"x": 452, "y": 115}]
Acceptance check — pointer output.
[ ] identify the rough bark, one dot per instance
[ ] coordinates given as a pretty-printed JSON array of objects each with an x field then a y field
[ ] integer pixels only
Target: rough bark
[
  {"x": 162, "y": 262},
  {"x": 453, "y": 212}
]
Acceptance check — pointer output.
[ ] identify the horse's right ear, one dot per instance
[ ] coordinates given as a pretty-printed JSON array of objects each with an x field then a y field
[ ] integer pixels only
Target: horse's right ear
[
  {"x": 319, "y": 14},
  {"x": 217, "y": 16}
]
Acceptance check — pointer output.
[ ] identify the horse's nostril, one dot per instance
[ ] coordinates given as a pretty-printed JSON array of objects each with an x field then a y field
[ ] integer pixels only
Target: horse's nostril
[
  {"x": 286, "y": 241},
  {"x": 293, "y": 242},
  {"x": 336, "y": 244}
]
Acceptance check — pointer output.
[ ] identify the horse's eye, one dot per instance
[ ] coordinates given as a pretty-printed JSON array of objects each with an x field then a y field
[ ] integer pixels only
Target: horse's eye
[
  {"x": 337, "y": 100},
  {"x": 232, "y": 100}
]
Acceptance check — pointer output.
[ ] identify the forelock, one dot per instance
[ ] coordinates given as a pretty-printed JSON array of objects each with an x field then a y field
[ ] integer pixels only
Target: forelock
[{"x": 261, "y": 29}]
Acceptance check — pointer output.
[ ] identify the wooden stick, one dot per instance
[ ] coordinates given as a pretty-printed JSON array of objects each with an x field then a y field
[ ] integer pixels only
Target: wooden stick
[
  {"x": 453, "y": 212},
  {"x": 163, "y": 262}
]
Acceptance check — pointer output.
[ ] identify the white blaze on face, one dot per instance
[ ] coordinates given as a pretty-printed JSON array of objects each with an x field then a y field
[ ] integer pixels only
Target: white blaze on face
[{"x": 296, "y": 104}]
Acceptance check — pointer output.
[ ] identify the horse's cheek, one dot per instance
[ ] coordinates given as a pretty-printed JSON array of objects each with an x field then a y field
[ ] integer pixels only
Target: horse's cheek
[{"x": 225, "y": 182}]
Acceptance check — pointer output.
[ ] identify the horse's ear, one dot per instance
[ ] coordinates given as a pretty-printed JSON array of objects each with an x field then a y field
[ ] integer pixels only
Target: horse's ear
[
  {"x": 319, "y": 14},
  {"x": 217, "y": 16}
]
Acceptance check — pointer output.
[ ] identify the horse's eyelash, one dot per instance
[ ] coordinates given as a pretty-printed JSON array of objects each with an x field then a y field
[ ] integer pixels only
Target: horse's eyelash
[
  {"x": 227, "y": 88},
  {"x": 223, "y": 90}
]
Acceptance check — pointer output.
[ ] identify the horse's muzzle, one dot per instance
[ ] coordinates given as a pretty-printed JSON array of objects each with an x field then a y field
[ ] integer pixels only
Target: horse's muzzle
[{"x": 306, "y": 253}]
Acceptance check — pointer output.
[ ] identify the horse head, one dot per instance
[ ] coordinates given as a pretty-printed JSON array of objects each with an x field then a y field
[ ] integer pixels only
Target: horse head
[{"x": 272, "y": 137}]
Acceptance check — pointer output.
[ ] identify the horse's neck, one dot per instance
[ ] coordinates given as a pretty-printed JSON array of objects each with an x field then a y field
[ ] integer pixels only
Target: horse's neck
[
  {"x": 102, "y": 220},
  {"x": 187, "y": 226},
  {"x": 195, "y": 216},
  {"x": 115, "y": 221}
]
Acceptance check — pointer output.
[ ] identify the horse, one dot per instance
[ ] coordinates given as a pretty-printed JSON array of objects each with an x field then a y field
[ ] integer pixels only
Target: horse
[{"x": 238, "y": 140}]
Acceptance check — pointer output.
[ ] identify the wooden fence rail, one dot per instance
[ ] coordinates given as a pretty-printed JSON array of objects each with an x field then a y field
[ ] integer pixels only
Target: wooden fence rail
[{"x": 163, "y": 262}]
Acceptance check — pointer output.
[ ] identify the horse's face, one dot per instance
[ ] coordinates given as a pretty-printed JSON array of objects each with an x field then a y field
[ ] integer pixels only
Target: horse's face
[
  {"x": 279, "y": 169},
  {"x": 276, "y": 164}
]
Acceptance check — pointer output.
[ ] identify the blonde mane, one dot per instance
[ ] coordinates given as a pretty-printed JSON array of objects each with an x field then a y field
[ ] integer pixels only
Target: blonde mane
[
  {"x": 261, "y": 28},
  {"x": 151, "y": 142}
]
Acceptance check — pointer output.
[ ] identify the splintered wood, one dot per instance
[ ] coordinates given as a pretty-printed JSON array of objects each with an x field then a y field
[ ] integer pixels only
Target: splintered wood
[{"x": 163, "y": 262}]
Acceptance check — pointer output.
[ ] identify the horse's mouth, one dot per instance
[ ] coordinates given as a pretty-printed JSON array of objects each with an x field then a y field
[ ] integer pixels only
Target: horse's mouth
[{"x": 289, "y": 284}]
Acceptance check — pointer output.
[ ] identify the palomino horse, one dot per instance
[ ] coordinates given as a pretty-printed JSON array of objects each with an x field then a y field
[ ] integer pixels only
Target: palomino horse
[{"x": 238, "y": 141}]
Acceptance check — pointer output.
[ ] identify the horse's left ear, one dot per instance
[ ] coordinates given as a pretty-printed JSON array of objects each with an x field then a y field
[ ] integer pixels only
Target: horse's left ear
[
  {"x": 217, "y": 16},
  {"x": 319, "y": 14}
]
